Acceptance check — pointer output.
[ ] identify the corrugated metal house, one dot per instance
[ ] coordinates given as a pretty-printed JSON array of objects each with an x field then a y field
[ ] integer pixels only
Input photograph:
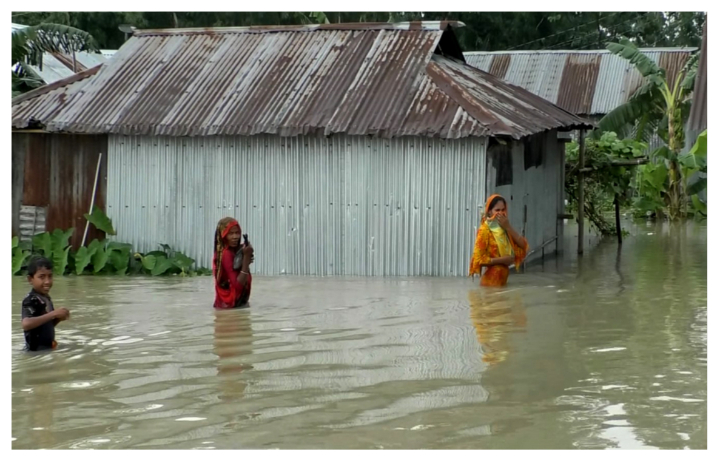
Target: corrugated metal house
[{"x": 342, "y": 149}]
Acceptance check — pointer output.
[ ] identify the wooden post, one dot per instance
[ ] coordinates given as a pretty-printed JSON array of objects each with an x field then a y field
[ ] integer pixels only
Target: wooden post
[
  {"x": 581, "y": 194},
  {"x": 617, "y": 220}
]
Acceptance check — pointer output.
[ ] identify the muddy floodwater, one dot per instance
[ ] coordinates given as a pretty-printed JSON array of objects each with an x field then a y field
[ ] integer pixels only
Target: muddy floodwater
[{"x": 609, "y": 351}]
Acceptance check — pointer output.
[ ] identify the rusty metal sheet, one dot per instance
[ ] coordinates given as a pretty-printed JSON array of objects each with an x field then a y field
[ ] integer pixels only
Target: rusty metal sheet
[
  {"x": 287, "y": 81},
  {"x": 592, "y": 82},
  {"x": 41, "y": 105},
  {"x": 579, "y": 68},
  {"x": 59, "y": 174},
  {"x": 501, "y": 108},
  {"x": 499, "y": 66}
]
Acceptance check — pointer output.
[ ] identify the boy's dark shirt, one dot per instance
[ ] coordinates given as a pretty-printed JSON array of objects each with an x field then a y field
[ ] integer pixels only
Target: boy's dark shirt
[{"x": 35, "y": 305}]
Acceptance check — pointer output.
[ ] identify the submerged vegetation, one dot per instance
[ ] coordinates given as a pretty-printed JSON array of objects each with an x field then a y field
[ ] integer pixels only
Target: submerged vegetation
[{"x": 100, "y": 257}]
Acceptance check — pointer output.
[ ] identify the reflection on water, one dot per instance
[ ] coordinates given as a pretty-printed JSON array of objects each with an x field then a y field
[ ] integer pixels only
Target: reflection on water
[
  {"x": 606, "y": 351},
  {"x": 495, "y": 315}
]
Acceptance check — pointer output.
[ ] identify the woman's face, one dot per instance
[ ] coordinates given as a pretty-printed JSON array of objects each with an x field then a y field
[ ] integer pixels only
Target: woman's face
[
  {"x": 497, "y": 209},
  {"x": 233, "y": 236}
]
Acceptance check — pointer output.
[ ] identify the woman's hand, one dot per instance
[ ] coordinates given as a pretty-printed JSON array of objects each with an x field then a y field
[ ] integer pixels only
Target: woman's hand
[
  {"x": 505, "y": 260},
  {"x": 247, "y": 250},
  {"x": 503, "y": 221}
]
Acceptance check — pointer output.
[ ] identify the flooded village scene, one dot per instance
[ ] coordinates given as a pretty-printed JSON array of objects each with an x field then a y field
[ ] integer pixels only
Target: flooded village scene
[{"x": 359, "y": 230}]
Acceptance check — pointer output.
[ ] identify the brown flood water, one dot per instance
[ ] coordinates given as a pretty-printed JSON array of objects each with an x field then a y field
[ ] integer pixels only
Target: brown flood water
[{"x": 608, "y": 352}]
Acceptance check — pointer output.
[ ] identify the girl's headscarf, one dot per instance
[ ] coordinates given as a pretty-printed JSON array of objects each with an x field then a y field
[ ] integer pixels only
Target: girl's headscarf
[
  {"x": 481, "y": 254},
  {"x": 223, "y": 228},
  {"x": 488, "y": 204}
]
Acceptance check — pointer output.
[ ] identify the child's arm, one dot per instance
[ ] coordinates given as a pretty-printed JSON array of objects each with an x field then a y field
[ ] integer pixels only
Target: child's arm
[{"x": 31, "y": 322}]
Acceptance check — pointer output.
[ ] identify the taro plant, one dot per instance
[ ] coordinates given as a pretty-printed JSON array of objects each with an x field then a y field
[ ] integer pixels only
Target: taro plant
[
  {"x": 166, "y": 261},
  {"x": 20, "y": 254},
  {"x": 55, "y": 246},
  {"x": 102, "y": 256},
  {"x": 100, "y": 221}
]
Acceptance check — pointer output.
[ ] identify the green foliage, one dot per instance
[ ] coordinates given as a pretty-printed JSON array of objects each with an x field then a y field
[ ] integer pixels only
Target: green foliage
[
  {"x": 29, "y": 45},
  {"x": 166, "y": 261},
  {"x": 484, "y": 30},
  {"x": 162, "y": 265},
  {"x": 119, "y": 256},
  {"x": 83, "y": 257},
  {"x": 19, "y": 255},
  {"x": 101, "y": 221},
  {"x": 42, "y": 242},
  {"x": 102, "y": 257},
  {"x": 651, "y": 189},
  {"x": 629, "y": 51},
  {"x": 606, "y": 181}
]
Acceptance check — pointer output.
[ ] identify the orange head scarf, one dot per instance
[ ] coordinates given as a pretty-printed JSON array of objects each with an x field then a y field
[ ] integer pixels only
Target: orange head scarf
[
  {"x": 481, "y": 253},
  {"x": 488, "y": 204}
]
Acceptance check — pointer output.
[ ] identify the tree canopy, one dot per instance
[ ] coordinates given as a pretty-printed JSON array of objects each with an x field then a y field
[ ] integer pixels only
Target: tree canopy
[{"x": 483, "y": 31}]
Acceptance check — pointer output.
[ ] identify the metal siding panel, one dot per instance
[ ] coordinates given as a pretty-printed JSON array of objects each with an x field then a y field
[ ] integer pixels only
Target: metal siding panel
[{"x": 311, "y": 205}]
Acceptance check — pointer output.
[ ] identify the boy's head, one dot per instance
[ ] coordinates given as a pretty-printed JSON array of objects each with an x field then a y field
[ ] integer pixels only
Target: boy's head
[{"x": 40, "y": 275}]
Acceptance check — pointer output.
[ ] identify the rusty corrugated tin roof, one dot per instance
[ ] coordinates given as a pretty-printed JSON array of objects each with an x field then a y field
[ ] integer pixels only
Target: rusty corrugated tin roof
[
  {"x": 42, "y": 104},
  {"x": 582, "y": 82},
  {"x": 358, "y": 79}
]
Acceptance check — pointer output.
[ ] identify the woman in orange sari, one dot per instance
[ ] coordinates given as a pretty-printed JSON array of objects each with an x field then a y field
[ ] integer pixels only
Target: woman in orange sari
[{"x": 497, "y": 245}]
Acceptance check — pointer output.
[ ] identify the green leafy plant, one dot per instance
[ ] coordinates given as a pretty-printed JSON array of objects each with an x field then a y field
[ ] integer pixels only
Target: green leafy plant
[
  {"x": 162, "y": 265},
  {"x": 119, "y": 256},
  {"x": 43, "y": 243},
  {"x": 183, "y": 262},
  {"x": 83, "y": 257},
  {"x": 30, "y": 43},
  {"x": 100, "y": 257},
  {"x": 100, "y": 220},
  {"x": 606, "y": 181},
  {"x": 663, "y": 103},
  {"x": 19, "y": 255}
]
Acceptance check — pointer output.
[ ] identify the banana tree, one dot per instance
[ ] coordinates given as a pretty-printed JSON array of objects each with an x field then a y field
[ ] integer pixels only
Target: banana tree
[
  {"x": 30, "y": 43},
  {"x": 661, "y": 104}
]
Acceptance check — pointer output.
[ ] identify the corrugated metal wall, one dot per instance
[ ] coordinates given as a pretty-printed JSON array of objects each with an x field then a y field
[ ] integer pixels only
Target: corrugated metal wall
[
  {"x": 311, "y": 205},
  {"x": 541, "y": 188},
  {"x": 58, "y": 173}
]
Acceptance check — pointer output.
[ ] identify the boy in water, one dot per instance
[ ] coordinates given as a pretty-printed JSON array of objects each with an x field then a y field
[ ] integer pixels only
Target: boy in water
[{"x": 39, "y": 316}]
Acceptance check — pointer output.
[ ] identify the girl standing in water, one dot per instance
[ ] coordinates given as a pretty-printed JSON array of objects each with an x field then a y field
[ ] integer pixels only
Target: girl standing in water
[
  {"x": 232, "y": 285},
  {"x": 497, "y": 245}
]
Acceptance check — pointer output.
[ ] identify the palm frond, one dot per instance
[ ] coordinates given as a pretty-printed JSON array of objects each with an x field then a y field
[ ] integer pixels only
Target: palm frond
[
  {"x": 629, "y": 51},
  {"x": 644, "y": 102},
  {"x": 690, "y": 68},
  {"x": 30, "y": 43}
]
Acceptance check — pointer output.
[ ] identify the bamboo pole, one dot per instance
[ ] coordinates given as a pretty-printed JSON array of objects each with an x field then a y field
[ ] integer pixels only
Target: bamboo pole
[
  {"x": 92, "y": 201},
  {"x": 581, "y": 194}
]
